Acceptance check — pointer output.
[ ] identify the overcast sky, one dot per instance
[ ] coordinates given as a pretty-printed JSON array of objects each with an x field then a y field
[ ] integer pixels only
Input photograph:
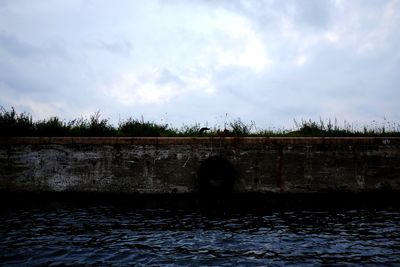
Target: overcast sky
[{"x": 186, "y": 61}]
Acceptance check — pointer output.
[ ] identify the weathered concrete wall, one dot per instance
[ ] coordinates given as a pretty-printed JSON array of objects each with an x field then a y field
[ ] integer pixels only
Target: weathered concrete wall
[{"x": 170, "y": 165}]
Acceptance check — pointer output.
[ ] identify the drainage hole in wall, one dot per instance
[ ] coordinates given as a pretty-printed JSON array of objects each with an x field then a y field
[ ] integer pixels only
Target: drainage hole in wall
[{"x": 216, "y": 175}]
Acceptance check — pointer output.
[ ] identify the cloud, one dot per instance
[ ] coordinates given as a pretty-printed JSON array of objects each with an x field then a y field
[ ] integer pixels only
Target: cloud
[
  {"x": 156, "y": 87},
  {"x": 267, "y": 61},
  {"x": 121, "y": 47}
]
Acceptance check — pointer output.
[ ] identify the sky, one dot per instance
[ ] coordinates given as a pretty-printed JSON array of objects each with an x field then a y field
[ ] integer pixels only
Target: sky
[{"x": 202, "y": 61}]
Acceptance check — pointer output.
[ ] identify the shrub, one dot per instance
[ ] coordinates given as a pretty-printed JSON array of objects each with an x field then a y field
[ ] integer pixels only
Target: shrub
[
  {"x": 13, "y": 124},
  {"x": 51, "y": 127},
  {"x": 133, "y": 127}
]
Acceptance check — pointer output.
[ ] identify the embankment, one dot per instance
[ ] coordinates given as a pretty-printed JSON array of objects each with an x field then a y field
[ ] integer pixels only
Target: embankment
[{"x": 199, "y": 165}]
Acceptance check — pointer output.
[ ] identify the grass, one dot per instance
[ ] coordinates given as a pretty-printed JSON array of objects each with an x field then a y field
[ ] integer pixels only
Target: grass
[{"x": 22, "y": 124}]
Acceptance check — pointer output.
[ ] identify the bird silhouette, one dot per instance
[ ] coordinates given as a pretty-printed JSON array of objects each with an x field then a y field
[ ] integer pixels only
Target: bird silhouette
[{"x": 202, "y": 130}]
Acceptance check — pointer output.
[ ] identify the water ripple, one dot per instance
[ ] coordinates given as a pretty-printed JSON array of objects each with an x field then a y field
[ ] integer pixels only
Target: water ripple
[{"x": 107, "y": 235}]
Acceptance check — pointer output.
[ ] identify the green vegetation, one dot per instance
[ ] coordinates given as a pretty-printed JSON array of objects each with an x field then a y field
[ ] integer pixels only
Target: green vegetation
[{"x": 21, "y": 124}]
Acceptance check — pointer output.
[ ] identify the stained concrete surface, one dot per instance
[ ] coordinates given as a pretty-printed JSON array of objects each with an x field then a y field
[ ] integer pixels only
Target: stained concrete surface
[{"x": 171, "y": 165}]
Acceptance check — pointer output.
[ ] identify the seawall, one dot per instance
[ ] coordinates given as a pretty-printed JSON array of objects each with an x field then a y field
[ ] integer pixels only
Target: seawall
[{"x": 206, "y": 165}]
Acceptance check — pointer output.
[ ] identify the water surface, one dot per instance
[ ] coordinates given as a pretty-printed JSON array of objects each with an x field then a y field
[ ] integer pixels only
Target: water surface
[{"x": 109, "y": 234}]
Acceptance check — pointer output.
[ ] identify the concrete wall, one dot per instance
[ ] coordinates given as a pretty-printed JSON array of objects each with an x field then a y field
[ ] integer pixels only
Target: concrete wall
[{"x": 171, "y": 165}]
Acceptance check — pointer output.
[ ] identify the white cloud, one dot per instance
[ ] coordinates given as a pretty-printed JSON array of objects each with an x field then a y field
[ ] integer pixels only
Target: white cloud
[
  {"x": 331, "y": 37},
  {"x": 152, "y": 88},
  {"x": 301, "y": 60}
]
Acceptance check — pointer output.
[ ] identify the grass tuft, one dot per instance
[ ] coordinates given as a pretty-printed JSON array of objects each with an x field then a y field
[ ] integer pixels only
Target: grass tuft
[{"x": 21, "y": 124}]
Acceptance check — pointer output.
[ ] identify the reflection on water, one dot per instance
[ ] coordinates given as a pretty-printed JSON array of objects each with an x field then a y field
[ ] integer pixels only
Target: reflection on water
[{"x": 113, "y": 235}]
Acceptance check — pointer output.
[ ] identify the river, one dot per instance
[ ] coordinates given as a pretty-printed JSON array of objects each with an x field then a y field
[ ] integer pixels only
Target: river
[{"x": 101, "y": 234}]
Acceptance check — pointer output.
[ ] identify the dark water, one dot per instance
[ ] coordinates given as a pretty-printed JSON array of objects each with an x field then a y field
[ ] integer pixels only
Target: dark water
[{"x": 111, "y": 235}]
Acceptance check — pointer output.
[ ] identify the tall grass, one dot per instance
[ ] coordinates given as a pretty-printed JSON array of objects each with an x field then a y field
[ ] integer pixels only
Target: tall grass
[
  {"x": 14, "y": 124},
  {"x": 134, "y": 127},
  {"x": 22, "y": 124}
]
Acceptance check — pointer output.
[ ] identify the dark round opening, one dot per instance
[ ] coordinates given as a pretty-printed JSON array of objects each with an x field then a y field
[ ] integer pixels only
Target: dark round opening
[{"x": 216, "y": 175}]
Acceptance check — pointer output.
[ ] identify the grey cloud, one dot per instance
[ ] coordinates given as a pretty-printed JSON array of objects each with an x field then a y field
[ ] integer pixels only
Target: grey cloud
[
  {"x": 121, "y": 47},
  {"x": 313, "y": 14},
  {"x": 361, "y": 85},
  {"x": 167, "y": 77},
  {"x": 16, "y": 47},
  {"x": 23, "y": 49},
  {"x": 308, "y": 14}
]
